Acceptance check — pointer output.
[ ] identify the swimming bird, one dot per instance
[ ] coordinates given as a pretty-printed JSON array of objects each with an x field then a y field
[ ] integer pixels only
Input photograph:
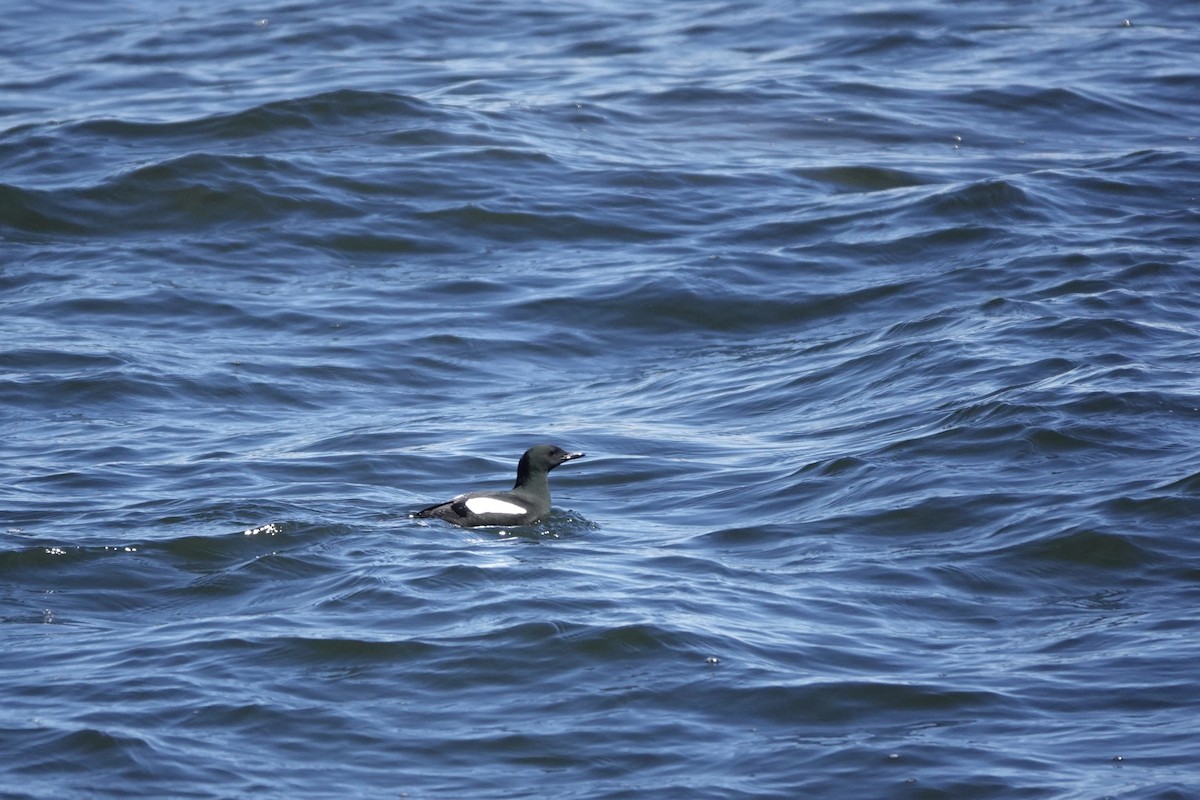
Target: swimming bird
[{"x": 527, "y": 503}]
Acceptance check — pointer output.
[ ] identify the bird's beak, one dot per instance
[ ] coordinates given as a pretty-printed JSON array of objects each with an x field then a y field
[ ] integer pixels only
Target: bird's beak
[{"x": 570, "y": 456}]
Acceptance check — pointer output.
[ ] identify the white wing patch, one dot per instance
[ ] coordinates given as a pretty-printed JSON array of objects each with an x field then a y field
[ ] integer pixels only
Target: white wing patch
[{"x": 490, "y": 505}]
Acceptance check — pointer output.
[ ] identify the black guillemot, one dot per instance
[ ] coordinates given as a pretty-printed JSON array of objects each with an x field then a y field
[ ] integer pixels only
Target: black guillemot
[{"x": 527, "y": 503}]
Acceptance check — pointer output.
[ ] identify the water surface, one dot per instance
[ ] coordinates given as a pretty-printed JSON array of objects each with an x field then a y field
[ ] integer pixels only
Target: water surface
[{"x": 878, "y": 325}]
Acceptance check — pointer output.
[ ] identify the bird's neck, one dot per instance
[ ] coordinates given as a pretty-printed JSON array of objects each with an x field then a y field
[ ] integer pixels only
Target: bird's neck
[{"x": 532, "y": 482}]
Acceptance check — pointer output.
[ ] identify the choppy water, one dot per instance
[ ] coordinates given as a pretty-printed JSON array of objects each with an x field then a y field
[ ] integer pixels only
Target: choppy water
[{"x": 880, "y": 326}]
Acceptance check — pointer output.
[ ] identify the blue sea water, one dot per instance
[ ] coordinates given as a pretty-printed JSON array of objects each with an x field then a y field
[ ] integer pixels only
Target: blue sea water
[{"x": 879, "y": 324}]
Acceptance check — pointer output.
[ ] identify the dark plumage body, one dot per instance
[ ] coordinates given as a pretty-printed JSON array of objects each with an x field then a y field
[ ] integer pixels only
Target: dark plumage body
[{"x": 527, "y": 503}]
